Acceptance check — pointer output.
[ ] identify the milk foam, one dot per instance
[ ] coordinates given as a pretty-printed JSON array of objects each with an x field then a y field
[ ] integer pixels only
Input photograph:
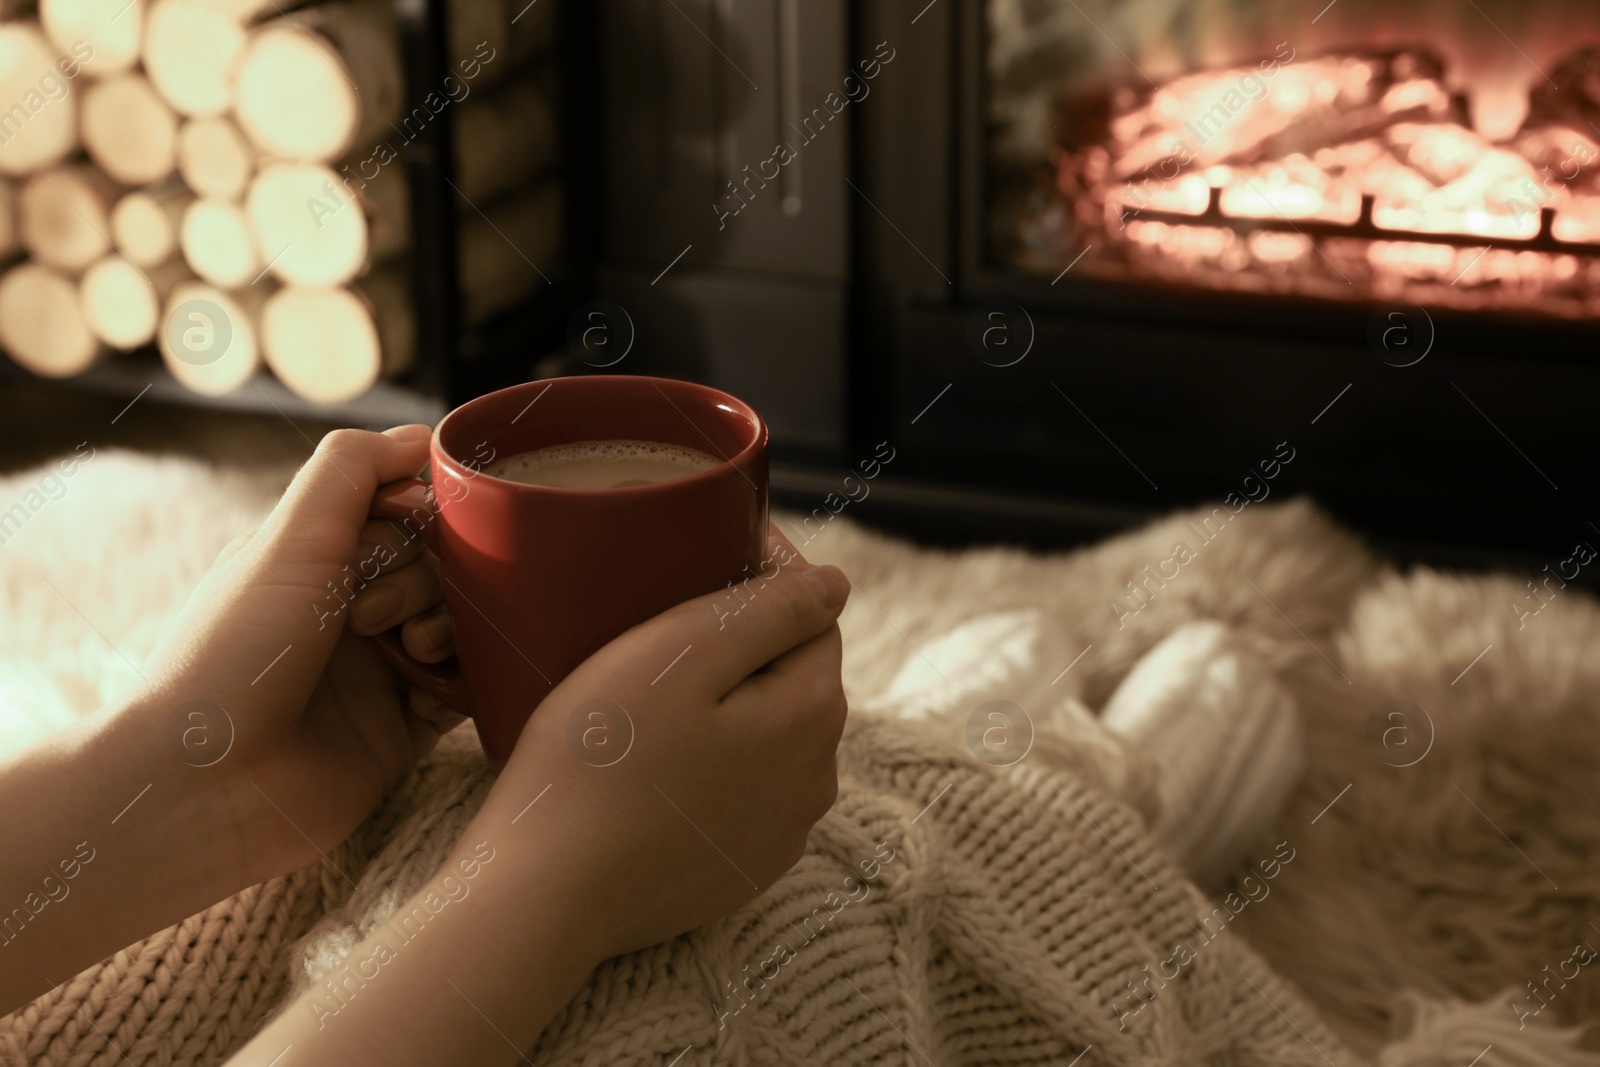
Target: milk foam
[{"x": 607, "y": 464}]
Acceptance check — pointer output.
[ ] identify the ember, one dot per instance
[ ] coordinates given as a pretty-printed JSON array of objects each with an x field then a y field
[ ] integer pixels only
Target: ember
[{"x": 1353, "y": 176}]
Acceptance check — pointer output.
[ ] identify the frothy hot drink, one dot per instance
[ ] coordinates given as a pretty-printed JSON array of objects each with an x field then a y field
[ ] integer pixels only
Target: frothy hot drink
[{"x": 602, "y": 464}]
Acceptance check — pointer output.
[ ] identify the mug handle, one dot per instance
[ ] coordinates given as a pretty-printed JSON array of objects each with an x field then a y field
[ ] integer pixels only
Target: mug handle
[{"x": 400, "y": 501}]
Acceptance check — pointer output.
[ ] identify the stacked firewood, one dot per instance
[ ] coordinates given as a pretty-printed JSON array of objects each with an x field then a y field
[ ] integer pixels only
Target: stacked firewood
[{"x": 225, "y": 179}]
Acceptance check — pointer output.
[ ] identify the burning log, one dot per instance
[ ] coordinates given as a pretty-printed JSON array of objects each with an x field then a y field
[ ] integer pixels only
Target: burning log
[
  {"x": 111, "y": 28},
  {"x": 1574, "y": 98},
  {"x": 214, "y": 158},
  {"x": 1564, "y": 155},
  {"x": 121, "y": 305},
  {"x": 218, "y": 244},
  {"x": 208, "y": 337},
  {"x": 63, "y": 216},
  {"x": 1561, "y": 135},
  {"x": 128, "y": 130},
  {"x": 315, "y": 83},
  {"x": 40, "y": 121},
  {"x": 190, "y": 51},
  {"x": 1242, "y": 116},
  {"x": 144, "y": 224},
  {"x": 42, "y": 323}
]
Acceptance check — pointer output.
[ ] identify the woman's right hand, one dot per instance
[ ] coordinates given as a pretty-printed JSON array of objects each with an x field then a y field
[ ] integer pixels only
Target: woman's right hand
[{"x": 703, "y": 793}]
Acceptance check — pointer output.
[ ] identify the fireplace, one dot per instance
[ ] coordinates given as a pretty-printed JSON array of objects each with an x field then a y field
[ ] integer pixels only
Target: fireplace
[
  {"x": 1079, "y": 262},
  {"x": 1413, "y": 156}
]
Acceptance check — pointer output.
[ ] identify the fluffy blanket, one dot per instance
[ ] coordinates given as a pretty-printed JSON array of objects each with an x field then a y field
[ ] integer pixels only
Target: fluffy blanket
[{"x": 1436, "y": 850}]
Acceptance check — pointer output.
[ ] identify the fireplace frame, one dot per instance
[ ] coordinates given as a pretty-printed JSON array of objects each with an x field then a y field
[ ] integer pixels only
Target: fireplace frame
[{"x": 1455, "y": 459}]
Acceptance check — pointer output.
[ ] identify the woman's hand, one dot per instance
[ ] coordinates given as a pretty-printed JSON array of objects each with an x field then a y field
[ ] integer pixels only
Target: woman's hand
[
  {"x": 265, "y": 732},
  {"x": 669, "y": 779},
  {"x": 264, "y": 673},
  {"x": 687, "y": 761}
]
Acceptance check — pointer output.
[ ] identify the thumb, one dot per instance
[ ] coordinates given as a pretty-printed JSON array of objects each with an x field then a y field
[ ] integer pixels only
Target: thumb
[{"x": 716, "y": 641}]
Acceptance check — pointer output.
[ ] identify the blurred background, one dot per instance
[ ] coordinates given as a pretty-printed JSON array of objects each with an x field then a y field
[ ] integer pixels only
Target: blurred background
[{"x": 1059, "y": 267}]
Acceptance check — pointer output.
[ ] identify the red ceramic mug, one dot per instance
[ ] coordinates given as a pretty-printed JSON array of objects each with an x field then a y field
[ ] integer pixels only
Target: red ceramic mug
[{"x": 537, "y": 578}]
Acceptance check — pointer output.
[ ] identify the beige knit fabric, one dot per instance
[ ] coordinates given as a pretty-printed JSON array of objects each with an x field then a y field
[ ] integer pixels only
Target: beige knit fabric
[
  {"x": 1007, "y": 913},
  {"x": 190, "y": 994}
]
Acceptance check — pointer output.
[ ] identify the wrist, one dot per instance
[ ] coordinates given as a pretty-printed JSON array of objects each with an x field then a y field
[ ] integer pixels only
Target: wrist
[
  {"x": 474, "y": 964},
  {"x": 181, "y": 801},
  {"x": 538, "y": 910},
  {"x": 108, "y": 840}
]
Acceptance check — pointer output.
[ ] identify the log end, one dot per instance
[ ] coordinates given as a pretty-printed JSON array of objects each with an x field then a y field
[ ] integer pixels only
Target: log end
[
  {"x": 190, "y": 52},
  {"x": 208, "y": 339},
  {"x": 128, "y": 130},
  {"x": 214, "y": 158},
  {"x": 296, "y": 98},
  {"x": 321, "y": 343},
  {"x": 119, "y": 303},
  {"x": 64, "y": 217},
  {"x": 104, "y": 35},
  {"x": 39, "y": 116},
  {"x": 42, "y": 324},
  {"x": 308, "y": 224},
  {"x": 143, "y": 230},
  {"x": 218, "y": 245}
]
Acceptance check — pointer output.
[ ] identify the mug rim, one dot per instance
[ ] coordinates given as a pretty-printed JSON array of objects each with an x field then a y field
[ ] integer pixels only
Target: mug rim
[{"x": 440, "y": 455}]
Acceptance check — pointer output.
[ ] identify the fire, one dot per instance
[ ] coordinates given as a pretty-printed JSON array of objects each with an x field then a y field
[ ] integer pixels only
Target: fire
[{"x": 1355, "y": 176}]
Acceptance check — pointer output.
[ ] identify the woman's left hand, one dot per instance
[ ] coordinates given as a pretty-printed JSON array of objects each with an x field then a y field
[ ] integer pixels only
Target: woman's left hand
[{"x": 264, "y": 684}]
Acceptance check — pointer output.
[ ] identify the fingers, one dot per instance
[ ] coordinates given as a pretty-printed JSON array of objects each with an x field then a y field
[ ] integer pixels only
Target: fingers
[
  {"x": 801, "y": 688},
  {"x": 714, "y": 642},
  {"x": 384, "y": 545},
  {"x": 429, "y": 708},
  {"x": 232, "y": 548},
  {"x": 326, "y": 505},
  {"x": 780, "y": 547},
  {"x": 801, "y": 698},
  {"x": 395, "y": 597},
  {"x": 427, "y": 720},
  {"x": 430, "y": 637}
]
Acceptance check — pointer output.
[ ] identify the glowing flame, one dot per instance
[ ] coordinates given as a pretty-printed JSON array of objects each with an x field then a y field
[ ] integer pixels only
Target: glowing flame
[{"x": 1354, "y": 148}]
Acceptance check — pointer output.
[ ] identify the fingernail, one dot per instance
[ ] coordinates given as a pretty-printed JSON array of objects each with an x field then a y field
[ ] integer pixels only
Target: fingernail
[
  {"x": 375, "y": 604},
  {"x": 437, "y": 631},
  {"x": 831, "y": 584},
  {"x": 411, "y": 432}
]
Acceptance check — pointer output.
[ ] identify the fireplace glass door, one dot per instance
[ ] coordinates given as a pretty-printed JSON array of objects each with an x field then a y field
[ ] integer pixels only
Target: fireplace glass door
[{"x": 1443, "y": 153}]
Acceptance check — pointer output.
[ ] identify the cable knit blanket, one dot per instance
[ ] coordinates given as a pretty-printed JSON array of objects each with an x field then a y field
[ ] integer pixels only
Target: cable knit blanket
[
  {"x": 948, "y": 911},
  {"x": 942, "y": 910}
]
